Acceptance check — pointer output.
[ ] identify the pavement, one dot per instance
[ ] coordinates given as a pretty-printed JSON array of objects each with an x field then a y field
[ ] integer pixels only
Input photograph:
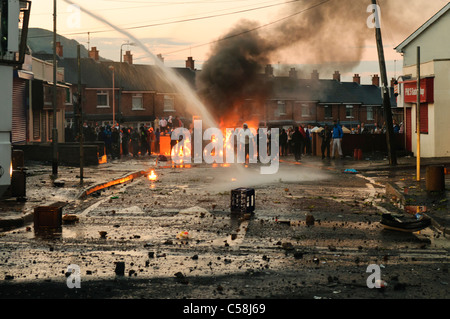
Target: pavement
[{"x": 402, "y": 189}]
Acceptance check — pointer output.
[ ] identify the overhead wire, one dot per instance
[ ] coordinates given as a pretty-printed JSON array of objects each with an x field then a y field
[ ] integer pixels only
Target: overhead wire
[
  {"x": 250, "y": 30},
  {"x": 183, "y": 20}
]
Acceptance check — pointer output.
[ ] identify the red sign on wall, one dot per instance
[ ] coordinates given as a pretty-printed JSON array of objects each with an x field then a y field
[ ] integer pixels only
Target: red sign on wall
[{"x": 426, "y": 91}]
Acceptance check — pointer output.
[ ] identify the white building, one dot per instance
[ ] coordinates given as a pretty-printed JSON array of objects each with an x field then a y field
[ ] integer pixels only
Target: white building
[{"x": 433, "y": 38}]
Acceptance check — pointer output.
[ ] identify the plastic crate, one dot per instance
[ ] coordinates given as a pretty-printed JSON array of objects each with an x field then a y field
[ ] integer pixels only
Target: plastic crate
[{"x": 243, "y": 200}]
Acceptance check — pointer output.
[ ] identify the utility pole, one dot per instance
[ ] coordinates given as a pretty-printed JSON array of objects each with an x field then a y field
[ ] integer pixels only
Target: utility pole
[
  {"x": 54, "y": 130},
  {"x": 385, "y": 92},
  {"x": 79, "y": 115},
  {"x": 418, "y": 115}
]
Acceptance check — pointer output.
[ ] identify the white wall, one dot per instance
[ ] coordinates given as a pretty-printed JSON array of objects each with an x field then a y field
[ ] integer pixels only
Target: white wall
[
  {"x": 442, "y": 113},
  {"x": 434, "y": 43},
  {"x": 437, "y": 142}
]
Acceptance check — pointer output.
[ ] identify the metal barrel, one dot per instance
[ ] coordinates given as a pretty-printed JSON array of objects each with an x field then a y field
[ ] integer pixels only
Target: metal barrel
[{"x": 435, "y": 178}]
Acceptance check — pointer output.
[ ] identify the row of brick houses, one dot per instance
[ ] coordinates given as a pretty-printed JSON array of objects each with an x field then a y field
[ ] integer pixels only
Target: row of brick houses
[
  {"x": 315, "y": 101},
  {"x": 141, "y": 95}
]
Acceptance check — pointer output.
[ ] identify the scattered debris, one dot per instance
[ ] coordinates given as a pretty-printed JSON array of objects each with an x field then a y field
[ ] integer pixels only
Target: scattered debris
[
  {"x": 70, "y": 219},
  {"x": 59, "y": 183},
  {"x": 287, "y": 246},
  {"x": 120, "y": 268},
  {"x": 380, "y": 283},
  {"x": 309, "y": 220},
  {"x": 392, "y": 222},
  {"x": 298, "y": 255},
  {"x": 183, "y": 235},
  {"x": 181, "y": 278}
]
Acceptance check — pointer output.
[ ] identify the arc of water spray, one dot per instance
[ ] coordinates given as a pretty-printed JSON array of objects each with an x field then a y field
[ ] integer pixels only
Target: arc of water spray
[{"x": 169, "y": 74}]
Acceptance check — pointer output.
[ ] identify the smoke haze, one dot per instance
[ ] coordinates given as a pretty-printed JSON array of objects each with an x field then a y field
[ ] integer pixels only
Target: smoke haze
[{"x": 322, "y": 32}]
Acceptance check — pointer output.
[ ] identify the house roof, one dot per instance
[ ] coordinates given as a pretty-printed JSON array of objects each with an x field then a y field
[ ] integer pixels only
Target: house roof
[
  {"x": 326, "y": 91},
  {"x": 130, "y": 77},
  {"x": 138, "y": 77},
  {"x": 425, "y": 26}
]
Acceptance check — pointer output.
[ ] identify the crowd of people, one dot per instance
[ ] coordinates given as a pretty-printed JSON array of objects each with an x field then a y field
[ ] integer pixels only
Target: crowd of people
[
  {"x": 361, "y": 129},
  {"x": 127, "y": 140},
  {"x": 295, "y": 141}
]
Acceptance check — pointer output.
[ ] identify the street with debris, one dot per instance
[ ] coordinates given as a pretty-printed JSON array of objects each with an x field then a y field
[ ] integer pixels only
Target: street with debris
[{"x": 313, "y": 234}]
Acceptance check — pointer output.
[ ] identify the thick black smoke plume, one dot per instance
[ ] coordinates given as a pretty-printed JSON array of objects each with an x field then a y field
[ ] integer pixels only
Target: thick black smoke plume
[{"x": 317, "y": 31}]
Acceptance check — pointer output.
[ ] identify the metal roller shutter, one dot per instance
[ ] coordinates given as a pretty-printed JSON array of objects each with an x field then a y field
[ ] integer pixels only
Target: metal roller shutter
[{"x": 19, "y": 112}]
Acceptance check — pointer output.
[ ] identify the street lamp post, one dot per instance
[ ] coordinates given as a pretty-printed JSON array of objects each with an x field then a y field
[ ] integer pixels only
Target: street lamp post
[
  {"x": 54, "y": 101},
  {"x": 113, "y": 96}
]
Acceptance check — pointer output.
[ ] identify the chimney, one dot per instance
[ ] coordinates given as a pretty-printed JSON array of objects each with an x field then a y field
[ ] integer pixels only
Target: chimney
[
  {"x": 376, "y": 80},
  {"x": 93, "y": 54},
  {"x": 393, "y": 82},
  {"x": 315, "y": 75},
  {"x": 59, "y": 49},
  {"x": 337, "y": 76},
  {"x": 293, "y": 73},
  {"x": 128, "y": 57},
  {"x": 190, "y": 63},
  {"x": 357, "y": 79},
  {"x": 160, "y": 57},
  {"x": 269, "y": 70}
]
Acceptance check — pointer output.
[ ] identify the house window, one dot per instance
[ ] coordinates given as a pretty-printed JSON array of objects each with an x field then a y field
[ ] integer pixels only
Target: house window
[
  {"x": 349, "y": 111},
  {"x": 137, "y": 102},
  {"x": 328, "y": 112},
  {"x": 68, "y": 96},
  {"x": 102, "y": 99},
  {"x": 169, "y": 105},
  {"x": 281, "y": 108},
  {"x": 48, "y": 95},
  {"x": 370, "y": 113},
  {"x": 306, "y": 110}
]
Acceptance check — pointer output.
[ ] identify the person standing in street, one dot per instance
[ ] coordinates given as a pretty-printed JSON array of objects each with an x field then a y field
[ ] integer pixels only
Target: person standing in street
[
  {"x": 135, "y": 142},
  {"x": 163, "y": 125},
  {"x": 297, "y": 144},
  {"x": 283, "y": 142},
  {"x": 338, "y": 134},
  {"x": 245, "y": 135},
  {"x": 326, "y": 136}
]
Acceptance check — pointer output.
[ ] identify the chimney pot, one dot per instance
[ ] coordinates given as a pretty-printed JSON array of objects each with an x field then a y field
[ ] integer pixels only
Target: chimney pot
[
  {"x": 128, "y": 57},
  {"x": 376, "y": 80},
  {"x": 190, "y": 63},
  {"x": 393, "y": 82},
  {"x": 337, "y": 76},
  {"x": 293, "y": 73},
  {"x": 93, "y": 54},
  {"x": 315, "y": 75},
  {"x": 59, "y": 49},
  {"x": 357, "y": 79},
  {"x": 160, "y": 57}
]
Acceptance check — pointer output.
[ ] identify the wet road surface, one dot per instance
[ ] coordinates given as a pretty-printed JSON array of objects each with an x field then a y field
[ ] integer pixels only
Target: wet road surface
[{"x": 272, "y": 253}]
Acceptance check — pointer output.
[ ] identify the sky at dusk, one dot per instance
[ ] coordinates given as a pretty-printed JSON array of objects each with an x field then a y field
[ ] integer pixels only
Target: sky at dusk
[{"x": 178, "y": 29}]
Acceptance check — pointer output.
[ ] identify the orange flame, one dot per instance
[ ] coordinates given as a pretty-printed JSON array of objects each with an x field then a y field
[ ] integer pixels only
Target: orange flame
[
  {"x": 152, "y": 176},
  {"x": 103, "y": 159}
]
